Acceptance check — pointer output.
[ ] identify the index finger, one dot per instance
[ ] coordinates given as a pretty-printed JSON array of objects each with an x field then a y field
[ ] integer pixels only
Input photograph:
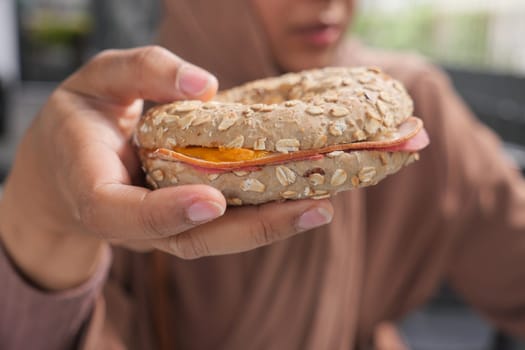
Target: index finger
[{"x": 151, "y": 73}]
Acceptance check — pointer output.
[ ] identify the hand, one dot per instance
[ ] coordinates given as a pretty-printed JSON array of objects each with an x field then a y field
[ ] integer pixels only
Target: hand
[{"x": 71, "y": 188}]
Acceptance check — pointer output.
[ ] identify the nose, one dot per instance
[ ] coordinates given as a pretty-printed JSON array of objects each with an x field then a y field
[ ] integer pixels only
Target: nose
[{"x": 334, "y": 11}]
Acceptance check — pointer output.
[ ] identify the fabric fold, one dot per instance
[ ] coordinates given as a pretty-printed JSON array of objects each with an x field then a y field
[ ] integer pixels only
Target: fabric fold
[{"x": 31, "y": 317}]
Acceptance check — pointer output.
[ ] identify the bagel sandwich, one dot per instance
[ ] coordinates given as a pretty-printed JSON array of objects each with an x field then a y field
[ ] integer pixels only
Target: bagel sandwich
[{"x": 301, "y": 135}]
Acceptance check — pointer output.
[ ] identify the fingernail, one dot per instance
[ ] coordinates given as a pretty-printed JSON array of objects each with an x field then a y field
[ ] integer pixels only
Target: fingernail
[
  {"x": 204, "y": 211},
  {"x": 193, "y": 81},
  {"x": 314, "y": 218}
]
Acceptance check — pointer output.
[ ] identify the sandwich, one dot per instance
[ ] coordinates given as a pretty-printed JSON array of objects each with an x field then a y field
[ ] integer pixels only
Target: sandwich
[{"x": 300, "y": 135}]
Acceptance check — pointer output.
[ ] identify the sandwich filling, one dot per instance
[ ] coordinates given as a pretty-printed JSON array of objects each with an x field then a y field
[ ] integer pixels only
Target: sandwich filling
[
  {"x": 221, "y": 154},
  {"x": 410, "y": 136}
]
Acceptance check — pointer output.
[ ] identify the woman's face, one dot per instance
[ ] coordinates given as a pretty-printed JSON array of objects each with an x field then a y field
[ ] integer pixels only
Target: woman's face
[{"x": 304, "y": 34}]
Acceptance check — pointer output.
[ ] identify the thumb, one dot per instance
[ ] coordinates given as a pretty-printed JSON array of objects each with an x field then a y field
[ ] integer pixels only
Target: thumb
[{"x": 152, "y": 73}]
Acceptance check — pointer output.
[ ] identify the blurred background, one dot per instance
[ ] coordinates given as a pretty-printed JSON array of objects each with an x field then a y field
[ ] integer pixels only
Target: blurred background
[{"x": 479, "y": 43}]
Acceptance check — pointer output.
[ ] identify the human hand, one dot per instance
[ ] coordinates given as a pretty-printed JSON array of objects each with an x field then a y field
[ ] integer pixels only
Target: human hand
[{"x": 73, "y": 184}]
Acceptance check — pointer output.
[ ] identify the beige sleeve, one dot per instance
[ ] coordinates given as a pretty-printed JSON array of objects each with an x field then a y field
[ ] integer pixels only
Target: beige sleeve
[{"x": 35, "y": 318}]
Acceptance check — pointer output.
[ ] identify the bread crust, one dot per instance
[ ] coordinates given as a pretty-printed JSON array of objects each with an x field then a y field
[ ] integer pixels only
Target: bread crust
[
  {"x": 296, "y": 111},
  {"x": 317, "y": 179}
]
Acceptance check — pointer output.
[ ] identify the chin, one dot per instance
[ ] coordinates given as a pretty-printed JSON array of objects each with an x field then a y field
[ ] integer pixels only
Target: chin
[{"x": 306, "y": 60}]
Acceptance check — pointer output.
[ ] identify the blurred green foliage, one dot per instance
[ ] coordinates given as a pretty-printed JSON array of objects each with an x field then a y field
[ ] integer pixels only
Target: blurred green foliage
[
  {"x": 400, "y": 31},
  {"x": 56, "y": 31},
  {"x": 458, "y": 39}
]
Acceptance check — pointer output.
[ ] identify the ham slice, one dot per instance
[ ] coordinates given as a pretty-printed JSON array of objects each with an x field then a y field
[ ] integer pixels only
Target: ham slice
[
  {"x": 414, "y": 144},
  {"x": 409, "y": 137}
]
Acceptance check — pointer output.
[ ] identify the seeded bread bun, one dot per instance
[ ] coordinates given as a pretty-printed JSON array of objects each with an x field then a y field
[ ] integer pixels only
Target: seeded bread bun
[
  {"x": 330, "y": 110},
  {"x": 305, "y": 110}
]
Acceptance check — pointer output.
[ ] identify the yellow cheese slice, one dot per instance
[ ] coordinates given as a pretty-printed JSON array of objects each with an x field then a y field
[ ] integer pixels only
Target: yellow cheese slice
[{"x": 221, "y": 154}]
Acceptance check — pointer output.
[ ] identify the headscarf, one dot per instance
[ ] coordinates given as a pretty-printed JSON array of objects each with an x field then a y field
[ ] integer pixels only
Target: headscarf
[{"x": 222, "y": 36}]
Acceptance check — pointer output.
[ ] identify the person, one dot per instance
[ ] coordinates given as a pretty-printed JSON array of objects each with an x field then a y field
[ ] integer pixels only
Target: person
[{"x": 456, "y": 215}]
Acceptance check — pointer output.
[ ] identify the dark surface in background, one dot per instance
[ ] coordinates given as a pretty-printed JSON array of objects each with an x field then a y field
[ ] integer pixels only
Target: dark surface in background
[
  {"x": 3, "y": 122},
  {"x": 52, "y": 38},
  {"x": 446, "y": 322},
  {"x": 3, "y": 108},
  {"x": 498, "y": 100}
]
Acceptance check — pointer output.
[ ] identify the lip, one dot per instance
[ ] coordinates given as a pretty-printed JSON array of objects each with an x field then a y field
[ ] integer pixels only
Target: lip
[{"x": 319, "y": 34}]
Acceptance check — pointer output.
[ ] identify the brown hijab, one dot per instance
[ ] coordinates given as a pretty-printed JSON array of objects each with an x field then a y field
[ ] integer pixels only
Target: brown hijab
[{"x": 224, "y": 37}]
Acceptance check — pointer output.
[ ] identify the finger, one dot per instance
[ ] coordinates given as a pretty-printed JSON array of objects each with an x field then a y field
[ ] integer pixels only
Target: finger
[
  {"x": 151, "y": 73},
  {"x": 242, "y": 229},
  {"x": 117, "y": 211}
]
